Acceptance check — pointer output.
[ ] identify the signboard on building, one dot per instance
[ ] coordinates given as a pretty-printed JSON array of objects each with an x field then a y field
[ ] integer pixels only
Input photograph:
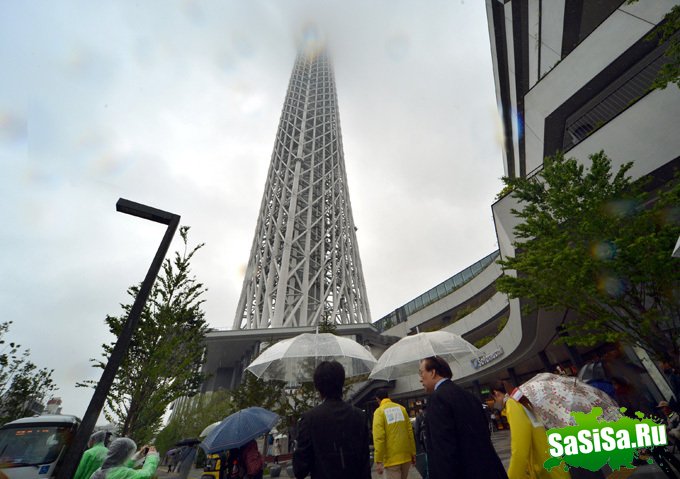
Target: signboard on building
[{"x": 486, "y": 359}]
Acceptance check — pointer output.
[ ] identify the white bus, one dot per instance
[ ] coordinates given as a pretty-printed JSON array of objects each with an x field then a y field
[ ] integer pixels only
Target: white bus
[{"x": 32, "y": 447}]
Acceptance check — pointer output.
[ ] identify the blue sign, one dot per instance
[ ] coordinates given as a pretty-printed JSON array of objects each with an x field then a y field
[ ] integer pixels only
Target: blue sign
[{"x": 44, "y": 469}]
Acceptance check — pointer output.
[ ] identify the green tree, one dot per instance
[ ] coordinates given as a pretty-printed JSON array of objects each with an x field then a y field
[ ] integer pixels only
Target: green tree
[
  {"x": 166, "y": 353},
  {"x": 327, "y": 325},
  {"x": 191, "y": 415},
  {"x": 670, "y": 71},
  {"x": 597, "y": 243},
  {"x": 257, "y": 392},
  {"x": 21, "y": 381}
]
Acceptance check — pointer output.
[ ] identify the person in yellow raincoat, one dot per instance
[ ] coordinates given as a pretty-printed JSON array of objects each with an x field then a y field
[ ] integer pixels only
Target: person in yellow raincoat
[
  {"x": 393, "y": 440},
  {"x": 528, "y": 441}
]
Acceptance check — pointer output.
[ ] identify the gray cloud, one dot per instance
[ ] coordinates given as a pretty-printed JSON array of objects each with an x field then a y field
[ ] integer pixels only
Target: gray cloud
[{"x": 175, "y": 104}]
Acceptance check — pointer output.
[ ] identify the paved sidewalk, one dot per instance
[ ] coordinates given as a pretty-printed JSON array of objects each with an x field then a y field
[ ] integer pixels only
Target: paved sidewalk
[{"x": 501, "y": 442}]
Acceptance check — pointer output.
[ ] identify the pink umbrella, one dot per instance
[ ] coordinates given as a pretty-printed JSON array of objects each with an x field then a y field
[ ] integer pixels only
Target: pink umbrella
[{"x": 555, "y": 397}]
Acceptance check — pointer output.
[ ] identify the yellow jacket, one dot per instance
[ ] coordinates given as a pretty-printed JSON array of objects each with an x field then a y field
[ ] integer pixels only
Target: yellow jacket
[
  {"x": 393, "y": 438},
  {"x": 528, "y": 446}
]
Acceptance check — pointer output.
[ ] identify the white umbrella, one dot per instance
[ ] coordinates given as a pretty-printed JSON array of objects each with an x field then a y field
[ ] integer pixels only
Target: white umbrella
[
  {"x": 402, "y": 358},
  {"x": 209, "y": 429},
  {"x": 294, "y": 360}
]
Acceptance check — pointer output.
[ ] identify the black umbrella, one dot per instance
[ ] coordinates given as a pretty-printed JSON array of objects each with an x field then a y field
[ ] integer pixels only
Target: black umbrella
[
  {"x": 593, "y": 372},
  {"x": 188, "y": 442}
]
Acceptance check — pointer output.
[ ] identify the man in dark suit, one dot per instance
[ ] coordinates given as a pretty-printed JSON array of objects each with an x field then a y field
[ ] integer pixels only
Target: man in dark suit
[
  {"x": 333, "y": 437},
  {"x": 457, "y": 435}
]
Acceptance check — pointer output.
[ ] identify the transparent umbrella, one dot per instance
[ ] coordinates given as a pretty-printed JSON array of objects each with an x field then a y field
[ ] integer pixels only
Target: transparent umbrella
[
  {"x": 294, "y": 360},
  {"x": 555, "y": 397},
  {"x": 402, "y": 358},
  {"x": 208, "y": 429}
]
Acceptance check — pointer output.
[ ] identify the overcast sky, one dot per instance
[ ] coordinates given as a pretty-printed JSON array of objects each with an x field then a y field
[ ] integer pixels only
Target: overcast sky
[{"x": 175, "y": 104}]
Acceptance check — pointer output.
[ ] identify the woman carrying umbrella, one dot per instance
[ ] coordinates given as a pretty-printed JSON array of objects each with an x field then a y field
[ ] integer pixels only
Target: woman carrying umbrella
[
  {"x": 252, "y": 460},
  {"x": 237, "y": 433},
  {"x": 528, "y": 441}
]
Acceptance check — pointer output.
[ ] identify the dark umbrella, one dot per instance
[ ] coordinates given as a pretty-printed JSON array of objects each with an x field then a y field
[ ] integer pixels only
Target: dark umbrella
[
  {"x": 593, "y": 372},
  {"x": 192, "y": 441},
  {"x": 239, "y": 428}
]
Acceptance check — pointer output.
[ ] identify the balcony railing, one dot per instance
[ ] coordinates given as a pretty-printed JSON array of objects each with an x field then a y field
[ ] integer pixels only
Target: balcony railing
[{"x": 444, "y": 288}]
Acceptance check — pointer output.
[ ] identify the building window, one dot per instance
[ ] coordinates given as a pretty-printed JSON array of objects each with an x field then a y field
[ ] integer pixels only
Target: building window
[{"x": 614, "y": 99}]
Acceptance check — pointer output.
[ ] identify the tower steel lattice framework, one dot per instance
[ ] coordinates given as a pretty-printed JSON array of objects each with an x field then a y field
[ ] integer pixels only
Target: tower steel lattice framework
[{"x": 304, "y": 265}]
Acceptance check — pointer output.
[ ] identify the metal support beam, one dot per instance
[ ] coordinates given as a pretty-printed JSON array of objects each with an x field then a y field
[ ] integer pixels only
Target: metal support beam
[{"x": 304, "y": 265}]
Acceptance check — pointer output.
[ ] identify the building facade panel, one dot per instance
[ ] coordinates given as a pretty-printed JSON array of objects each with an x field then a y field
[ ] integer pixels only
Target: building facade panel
[
  {"x": 480, "y": 316},
  {"x": 552, "y": 23},
  {"x": 652, "y": 122},
  {"x": 575, "y": 71}
]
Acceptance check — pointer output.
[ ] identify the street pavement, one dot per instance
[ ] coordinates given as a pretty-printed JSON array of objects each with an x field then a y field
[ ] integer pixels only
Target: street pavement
[{"x": 501, "y": 442}]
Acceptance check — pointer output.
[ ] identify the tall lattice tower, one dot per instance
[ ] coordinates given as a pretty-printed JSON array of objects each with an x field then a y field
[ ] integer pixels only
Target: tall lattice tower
[{"x": 304, "y": 264}]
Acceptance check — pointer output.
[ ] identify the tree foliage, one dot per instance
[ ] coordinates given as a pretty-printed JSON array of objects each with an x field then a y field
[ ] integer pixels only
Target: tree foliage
[
  {"x": 257, "y": 392},
  {"x": 21, "y": 381},
  {"x": 191, "y": 415},
  {"x": 599, "y": 244},
  {"x": 327, "y": 325},
  {"x": 670, "y": 71},
  {"x": 165, "y": 356}
]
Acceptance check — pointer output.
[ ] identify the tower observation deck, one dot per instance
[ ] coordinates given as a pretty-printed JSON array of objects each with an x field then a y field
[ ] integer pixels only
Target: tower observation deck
[{"x": 304, "y": 265}]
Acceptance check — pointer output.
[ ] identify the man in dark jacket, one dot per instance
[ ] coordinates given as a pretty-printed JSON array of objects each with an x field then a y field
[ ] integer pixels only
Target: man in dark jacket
[
  {"x": 333, "y": 437},
  {"x": 456, "y": 430}
]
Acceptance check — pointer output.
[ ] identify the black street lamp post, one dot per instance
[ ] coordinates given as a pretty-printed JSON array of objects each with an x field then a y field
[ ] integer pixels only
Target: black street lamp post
[{"x": 75, "y": 450}]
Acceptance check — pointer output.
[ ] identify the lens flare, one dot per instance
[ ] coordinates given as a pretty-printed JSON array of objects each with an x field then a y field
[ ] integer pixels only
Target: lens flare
[
  {"x": 668, "y": 216},
  {"x": 620, "y": 208},
  {"x": 519, "y": 123},
  {"x": 35, "y": 176},
  {"x": 13, "y": 128},
  {"x": 611, "y": 285},
  {"x": 311, "y": 42},
  {"x": 499, "y": 129},
  {"x": 603, "y": 250},
  {"x": 110, "y": 165}
]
